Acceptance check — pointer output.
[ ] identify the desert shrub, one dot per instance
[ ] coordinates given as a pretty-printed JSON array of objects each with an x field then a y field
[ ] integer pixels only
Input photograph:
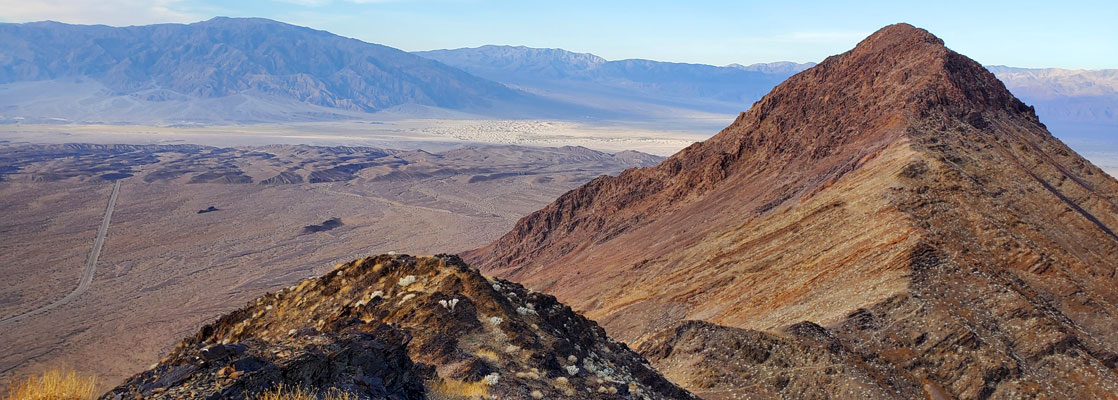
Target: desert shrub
[
  {"x": 55, "y": 384},
  {"x": 492, "y": 379}
]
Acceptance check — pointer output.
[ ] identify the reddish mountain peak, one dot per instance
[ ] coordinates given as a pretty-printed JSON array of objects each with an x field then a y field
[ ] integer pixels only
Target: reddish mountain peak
[
  {"x": 898, "y": 36},
  {"x": 896, "y": 196},
  {"x": 804, "y": 135},
  {"x": 931, "y": 75},
  {"x": 866, "y": 95}
]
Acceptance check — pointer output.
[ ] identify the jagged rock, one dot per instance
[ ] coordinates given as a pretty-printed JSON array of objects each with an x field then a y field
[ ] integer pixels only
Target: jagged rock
[
  {"x": 722, "y": 362},
  {"x": 376, "y": 328}
]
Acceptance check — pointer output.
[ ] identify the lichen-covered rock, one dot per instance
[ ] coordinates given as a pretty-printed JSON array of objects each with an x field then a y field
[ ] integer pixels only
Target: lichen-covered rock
[{"x": 403, "y": 327}]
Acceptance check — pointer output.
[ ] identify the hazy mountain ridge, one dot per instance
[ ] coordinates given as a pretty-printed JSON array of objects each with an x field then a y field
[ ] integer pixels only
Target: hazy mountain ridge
[
  {"x": 1081, "y": 105},
  {"x": 237, "y": 57},
  {"x": 779, "y": 67},
  {"x": 635, "y": 86}
]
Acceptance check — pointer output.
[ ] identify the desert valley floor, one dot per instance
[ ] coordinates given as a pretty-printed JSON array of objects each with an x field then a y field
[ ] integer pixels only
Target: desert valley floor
[{"x": 166, "y": 267}]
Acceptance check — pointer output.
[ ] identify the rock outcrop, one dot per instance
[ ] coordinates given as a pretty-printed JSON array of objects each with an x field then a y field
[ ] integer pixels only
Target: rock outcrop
[
  {"x": 896, "y": 197},
  {"x": 722, "y": 362},
  {"x": 401, "y": 327}
]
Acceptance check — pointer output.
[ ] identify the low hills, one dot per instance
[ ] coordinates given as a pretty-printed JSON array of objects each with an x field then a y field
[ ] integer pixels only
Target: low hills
[{"x": 895, "y": 204}]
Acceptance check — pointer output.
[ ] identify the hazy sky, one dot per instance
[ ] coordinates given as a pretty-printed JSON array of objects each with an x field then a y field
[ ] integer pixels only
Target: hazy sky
[{"x": 1023, "y": 33}]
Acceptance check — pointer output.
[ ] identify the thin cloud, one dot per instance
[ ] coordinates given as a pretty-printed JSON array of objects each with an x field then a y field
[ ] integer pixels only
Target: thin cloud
[
  {"x": 308, "y": 3},
  {"x": 320, "y": 3},
  {"x": 109, "y": 12},
  {"x": 825, "y": 36}
]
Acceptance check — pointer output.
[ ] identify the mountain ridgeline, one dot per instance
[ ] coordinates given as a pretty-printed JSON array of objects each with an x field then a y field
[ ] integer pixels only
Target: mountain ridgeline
[
  {"x": 892, "y": 215},
  {"x": 248, "y": 60},
  {"x": 243, "y": 70},
  {"x": 258, "y": 70},
  {"x": 623, "y": 85}
]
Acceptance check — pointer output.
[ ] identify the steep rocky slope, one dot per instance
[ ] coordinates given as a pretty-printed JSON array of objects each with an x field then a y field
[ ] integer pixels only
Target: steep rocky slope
[
  {"x": 897, "y": 197},
  {"x": 403, "y": 327}
]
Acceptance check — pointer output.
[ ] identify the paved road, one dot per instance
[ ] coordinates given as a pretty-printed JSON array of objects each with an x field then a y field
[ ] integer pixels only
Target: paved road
[{"x": 87, "y": 273}]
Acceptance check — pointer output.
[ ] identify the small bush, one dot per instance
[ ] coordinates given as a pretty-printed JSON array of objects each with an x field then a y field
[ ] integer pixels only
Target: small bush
[
  {"x": 492, "y": 379},
  {"x": 55, "y": 384}
]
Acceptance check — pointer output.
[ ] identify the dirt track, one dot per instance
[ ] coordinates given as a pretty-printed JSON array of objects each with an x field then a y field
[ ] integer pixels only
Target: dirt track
[{"x": 87, "y": 273}]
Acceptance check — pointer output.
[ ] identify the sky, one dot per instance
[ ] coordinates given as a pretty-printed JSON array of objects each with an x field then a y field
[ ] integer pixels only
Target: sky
[{"x": 1076, "y": 34}]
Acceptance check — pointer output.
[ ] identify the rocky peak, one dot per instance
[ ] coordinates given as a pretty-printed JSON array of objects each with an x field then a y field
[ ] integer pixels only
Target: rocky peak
[
  {"x": 403, "y": 327},
  {"x": 894, "y": 203},
  {"x": 897, "y": 74},
  {"x": 805, "y": 134}
]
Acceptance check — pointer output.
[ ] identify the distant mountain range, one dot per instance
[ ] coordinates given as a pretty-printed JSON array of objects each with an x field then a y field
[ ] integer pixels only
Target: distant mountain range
[
  {"x": 244, "y": 70},
  {"x": 223, "y": 69},
  {"x": 1080, "y": 103},
  {"x": 642, "y": 87}
]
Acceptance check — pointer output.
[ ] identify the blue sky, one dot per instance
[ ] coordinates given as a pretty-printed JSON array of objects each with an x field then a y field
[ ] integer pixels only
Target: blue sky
[{"x": 1023, "y": 33}]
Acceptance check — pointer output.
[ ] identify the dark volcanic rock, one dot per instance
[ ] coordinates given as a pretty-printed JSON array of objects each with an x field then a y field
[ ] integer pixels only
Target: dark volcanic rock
[
  {"x": 403, "y": 327},
  {"x": 371, "y": 361}
]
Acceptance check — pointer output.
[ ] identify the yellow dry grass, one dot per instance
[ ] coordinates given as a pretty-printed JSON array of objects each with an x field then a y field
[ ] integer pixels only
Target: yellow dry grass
[
  {"x": 298, "y": 393},
  {"x": 488, "y": 355},
  {"x": 448, "y": 389},
  {"x": 55, "y": 384}
]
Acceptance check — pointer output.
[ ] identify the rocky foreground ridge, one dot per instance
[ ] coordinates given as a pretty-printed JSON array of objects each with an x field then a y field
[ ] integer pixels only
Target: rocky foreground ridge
[
  {"x": 402, "y": 327},
  {"x": 889, "y": 223}
]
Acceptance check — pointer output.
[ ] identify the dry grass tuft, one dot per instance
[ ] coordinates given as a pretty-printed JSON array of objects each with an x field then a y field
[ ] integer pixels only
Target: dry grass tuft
[
  {"x": 447, "y": 389},
  {"x": 287, "y": 393},
  {"x": 55, "y": 384},
  {"x": 488, "y": 355}
]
